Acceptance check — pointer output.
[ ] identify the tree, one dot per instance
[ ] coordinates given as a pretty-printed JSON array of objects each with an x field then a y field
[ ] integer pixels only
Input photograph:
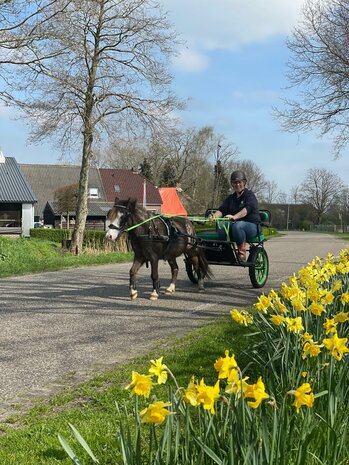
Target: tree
[
  {"x": 66, "y": 198},
  {"x": 320, "y": 188},
  {"x": 81, "y": 70},
  {"x": 319, "y": 69},
  {"x": 255, "y": 177}
]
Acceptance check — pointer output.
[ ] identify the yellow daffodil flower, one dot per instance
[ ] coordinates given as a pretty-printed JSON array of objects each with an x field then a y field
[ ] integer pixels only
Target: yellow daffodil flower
[
  {"x": 316, "y": 308},
  {"x": 224, "y": 365},
  {"x": 345, "y": 298},
  {"x": 294, "y": 325},
  {"x": 336, "y": 286},
  {"x": 330, "y": 326},
  {"x": 157, "y": 368},
  {"x": 242, "y": 318},
  {"x": 207, "y": 395},
  {"x": 236, "y": 385},
  {"x": 263, "y": 303},
  {"x": 277, "y": 320},
  {"x": 336, "y": 346},
  {"x": 303, "y": 396},
  {"x": 156, "y": 412},
  {"x": 141, "y": 384},
  {"x": 190, "y": 393},
  {"x": 311, "y": 349},
  {"x": 341, "y": 317},
  {"x": 328, "y": 298},
  {"x": 257, "y": 392}
]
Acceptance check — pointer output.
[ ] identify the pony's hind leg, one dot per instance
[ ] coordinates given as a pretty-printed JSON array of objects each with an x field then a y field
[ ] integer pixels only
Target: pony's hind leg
[
  {"x": 174, "y": 273},
  {"x": 137, "y": 263},
  {"x": 196, "y": 264},
  {"x": 155, "y": 278}
]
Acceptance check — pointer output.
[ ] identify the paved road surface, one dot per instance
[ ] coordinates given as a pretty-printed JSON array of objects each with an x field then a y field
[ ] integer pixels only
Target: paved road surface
[{"x": 58, "y": 327}]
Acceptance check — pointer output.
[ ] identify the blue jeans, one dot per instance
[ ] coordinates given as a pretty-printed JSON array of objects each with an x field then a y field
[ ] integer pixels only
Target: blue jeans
[{"x": 239, "y": 232}]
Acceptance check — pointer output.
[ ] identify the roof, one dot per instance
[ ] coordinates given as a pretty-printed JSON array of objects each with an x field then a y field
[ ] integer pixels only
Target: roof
[
  {"x": 123, "y": 183},
  {"x": 171, "y": 204},
  {"x": 14, "y": 186},
  {"x": 94, "y": 208},
  {"x": 46, "y": 179}
]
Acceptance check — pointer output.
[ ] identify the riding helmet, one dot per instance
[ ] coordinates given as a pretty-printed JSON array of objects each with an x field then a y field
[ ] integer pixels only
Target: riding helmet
[{"x": 237, "y": 176}]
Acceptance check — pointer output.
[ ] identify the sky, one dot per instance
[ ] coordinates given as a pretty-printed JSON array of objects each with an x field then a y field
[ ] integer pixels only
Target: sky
[{"x": 231, "y": 69}]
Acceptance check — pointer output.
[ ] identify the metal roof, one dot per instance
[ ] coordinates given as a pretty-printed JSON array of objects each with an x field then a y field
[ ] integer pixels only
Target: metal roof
[
  {"x": 14, "y": 187},
  {"x": 94, "y": 208},
  {"x": 46, "y": 179}
]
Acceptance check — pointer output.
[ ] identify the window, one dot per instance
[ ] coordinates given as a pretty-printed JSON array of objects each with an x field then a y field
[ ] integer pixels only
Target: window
[
  {"x": 93, "y": 193},
  {"x": 117, "y": 188}
]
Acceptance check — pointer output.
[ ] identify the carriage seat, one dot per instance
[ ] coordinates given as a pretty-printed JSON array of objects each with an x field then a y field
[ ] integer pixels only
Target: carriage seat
[{"x": 215, "y": 236}]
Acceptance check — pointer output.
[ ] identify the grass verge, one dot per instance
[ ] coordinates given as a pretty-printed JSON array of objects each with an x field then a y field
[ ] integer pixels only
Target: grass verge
[
  {"x": 32, "y": 438},
  {"x": 24, "y": 256}
]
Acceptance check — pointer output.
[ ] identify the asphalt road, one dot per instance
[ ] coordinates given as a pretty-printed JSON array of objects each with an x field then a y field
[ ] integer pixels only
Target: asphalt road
[{"x": 59, "y": 328}]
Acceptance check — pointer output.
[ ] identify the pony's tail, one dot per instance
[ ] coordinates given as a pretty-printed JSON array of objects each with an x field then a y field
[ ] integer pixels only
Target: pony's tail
[{"x": 204, "y": 267}]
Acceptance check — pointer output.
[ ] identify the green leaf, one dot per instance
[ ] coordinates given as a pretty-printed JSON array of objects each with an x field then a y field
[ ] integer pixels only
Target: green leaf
[
  {"x": 83, "y": 443},
  {"x": 209, "y": 451},
  {"x": 69, "y": 450}
]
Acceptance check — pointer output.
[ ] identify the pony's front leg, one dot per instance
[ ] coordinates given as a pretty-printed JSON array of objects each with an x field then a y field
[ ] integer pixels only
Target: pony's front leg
[
  {"x": 137, "y": 263},
  {"x": 155, "y": 278},
  {"x": 174, "y": 273}
]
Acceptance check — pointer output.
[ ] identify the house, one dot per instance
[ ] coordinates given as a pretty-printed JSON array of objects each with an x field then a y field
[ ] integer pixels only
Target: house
[
  {"x": 104, "y": 186},
  {"x": 124, "y": 183},
  {"x": 17, "y": 199}
]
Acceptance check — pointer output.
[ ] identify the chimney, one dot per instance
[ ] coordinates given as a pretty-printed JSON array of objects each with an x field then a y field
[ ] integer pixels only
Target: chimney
[{"x": 2, "y": 158}]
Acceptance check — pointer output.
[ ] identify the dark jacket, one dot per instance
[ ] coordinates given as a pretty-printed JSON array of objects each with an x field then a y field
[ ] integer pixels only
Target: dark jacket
[{"x": 233, "y": 204}]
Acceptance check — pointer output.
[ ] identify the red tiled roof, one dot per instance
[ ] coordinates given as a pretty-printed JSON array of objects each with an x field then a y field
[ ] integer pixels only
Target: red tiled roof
[{"x": 124, "y": 183}]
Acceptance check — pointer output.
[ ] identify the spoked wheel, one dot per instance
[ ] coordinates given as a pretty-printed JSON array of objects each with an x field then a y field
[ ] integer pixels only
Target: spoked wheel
[
  {"x": 259, "y": 270},
  {"x": 192, "y": 275}
]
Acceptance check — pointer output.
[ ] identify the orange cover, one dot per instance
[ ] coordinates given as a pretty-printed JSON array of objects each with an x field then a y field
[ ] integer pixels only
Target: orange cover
[{"x": 171, "y": 204}]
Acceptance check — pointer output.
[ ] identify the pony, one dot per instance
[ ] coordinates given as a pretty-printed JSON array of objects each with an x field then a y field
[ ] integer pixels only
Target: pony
[{"x": 154, "y": 238}]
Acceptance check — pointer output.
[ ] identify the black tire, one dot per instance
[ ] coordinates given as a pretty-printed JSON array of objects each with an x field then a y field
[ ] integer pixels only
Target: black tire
[
  {"x": 192, "y": 275},
  {"x": 260, "y": 269}
]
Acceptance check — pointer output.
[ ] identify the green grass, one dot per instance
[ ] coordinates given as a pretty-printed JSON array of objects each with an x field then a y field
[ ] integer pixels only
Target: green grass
[
  {"x": 23, "y": 256},
  {"x": 32, "y": 439}
]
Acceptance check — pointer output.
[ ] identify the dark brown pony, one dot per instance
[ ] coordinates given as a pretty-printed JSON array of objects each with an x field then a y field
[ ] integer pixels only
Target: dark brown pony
[{"x": 154, "y": 238}]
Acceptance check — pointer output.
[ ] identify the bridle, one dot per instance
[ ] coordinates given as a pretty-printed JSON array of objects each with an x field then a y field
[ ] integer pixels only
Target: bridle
[{"x": 123, "y": 220}]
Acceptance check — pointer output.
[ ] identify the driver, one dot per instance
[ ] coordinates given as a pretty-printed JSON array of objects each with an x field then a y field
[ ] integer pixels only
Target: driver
[{"x": 241, "y": 208}]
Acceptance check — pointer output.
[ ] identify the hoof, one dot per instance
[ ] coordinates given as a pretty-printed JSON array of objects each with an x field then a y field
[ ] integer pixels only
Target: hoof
[
  {"x": 171, "y": 289},
  {"x": 154, "y": 296},
  {"x": 133, "y": 295}
]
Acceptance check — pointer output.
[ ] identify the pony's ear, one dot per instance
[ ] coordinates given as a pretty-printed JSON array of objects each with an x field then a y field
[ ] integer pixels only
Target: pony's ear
[
  {"x": 131, "y": 204},
  {"x": 116, "y": 201}
]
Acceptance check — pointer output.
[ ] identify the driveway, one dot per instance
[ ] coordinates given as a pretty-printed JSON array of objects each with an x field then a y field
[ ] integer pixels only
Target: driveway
[{"x": 58, "y": 328}]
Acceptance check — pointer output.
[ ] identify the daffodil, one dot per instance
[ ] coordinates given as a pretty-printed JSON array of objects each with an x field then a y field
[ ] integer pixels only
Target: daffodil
[
  {"x": 294, "y": 325},
  {"x": 303, "y": 396},
  {"x": 327, "y": 298},
  {"x": 345, "y": 298},
  {"x": 141, "y": 384},
  {"x": 263, "y": 303},
  {"x": 277, "y": 320},
  {"x": 224, "y": 365},
  {"x": 236, "y": 385},
  {"x": 336, "y": 286},
  {"x": 156, "y": 412},
  {"x": 157, "y": 368},
  {"x": 257, "y": 392},
  {"x": 316, "y": 308},
  {"x": 207, "y": 395},
  {"x": 336, "y": 346},
  {"x": 242, "y": 318},
  {"x": 311, "y": 349},
  {"x": 190, "y": 394},
  {"x": 330, "y": 326},
  {"x": 341, "y": 317}
]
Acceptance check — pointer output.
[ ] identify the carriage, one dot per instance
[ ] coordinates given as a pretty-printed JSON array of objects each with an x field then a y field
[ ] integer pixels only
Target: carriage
[
  {"x": 225, "y": 253},
  {"x": 160, "y": 237}
]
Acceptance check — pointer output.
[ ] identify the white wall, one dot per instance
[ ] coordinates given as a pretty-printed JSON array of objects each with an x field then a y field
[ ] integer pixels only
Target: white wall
[{"x": 27, "y": 218}]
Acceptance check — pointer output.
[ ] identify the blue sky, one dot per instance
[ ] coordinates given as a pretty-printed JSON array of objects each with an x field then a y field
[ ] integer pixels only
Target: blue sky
[{"x": 231, "y": 69}]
